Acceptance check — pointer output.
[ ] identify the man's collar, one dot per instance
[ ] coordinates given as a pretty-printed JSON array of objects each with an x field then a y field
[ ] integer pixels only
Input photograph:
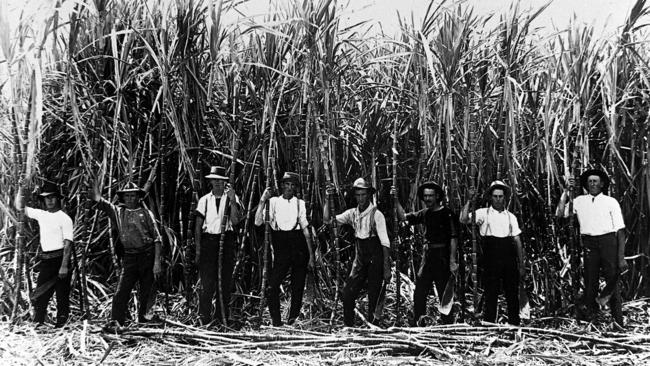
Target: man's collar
[
  {"x": 370, "y": 206},
  {"x": 497, "y": 211}
]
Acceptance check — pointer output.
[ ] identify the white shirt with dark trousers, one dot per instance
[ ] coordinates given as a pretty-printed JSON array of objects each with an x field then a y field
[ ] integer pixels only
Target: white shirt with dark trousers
[
  {"x": 498, "y": 228},
  {"x": 597, "y": 215},
  {"x": 54, "y": 227},
  {"x": 285, "y": 214}
]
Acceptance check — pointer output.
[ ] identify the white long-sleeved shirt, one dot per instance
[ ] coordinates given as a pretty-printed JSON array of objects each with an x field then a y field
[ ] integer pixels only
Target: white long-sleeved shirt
[
  {"x": 361, "y": 223},
  {"x": 598, "y": 215},
  {"x": 54, "y": 227},
  {"x": 285, "y": 214}
]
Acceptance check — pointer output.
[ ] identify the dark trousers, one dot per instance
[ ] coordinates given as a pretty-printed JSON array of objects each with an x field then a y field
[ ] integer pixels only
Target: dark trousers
[
  {"x": 368, "y": 266},
  {"x": 500, "y": 261},
  {"x": 136, "y": 268},
  {"x": 601, "y": 256},
  {"x": 291, "y": 256},
  {"x": 48, "y": 276},
  {"x": 208, "y": 271},
  {"x": 434, "y": 268}
]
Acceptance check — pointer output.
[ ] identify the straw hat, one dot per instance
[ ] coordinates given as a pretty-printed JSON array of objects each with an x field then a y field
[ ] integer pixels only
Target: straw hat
[
  {"x": 361, "y": 183},
  {"x": 497, "y": 184},
  {"x": 217, "y": 172},
  {"x": 291, "y": 177},
  {"x": 131, "y": 187}
]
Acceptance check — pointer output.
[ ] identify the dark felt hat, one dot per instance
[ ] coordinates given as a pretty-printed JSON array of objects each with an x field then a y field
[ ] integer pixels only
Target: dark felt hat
[
  {"x": 291, "y": 177},
  {"x": 131, "y": 187},
  {"x": 217, "y": 172},
  {"x": 361, "y": 183},
  {"x": 584, "y": 177},
  {"x": 430, "y": 185},
  {"x": 497, "y": 184},
  {"x": 50, "y": 189}
]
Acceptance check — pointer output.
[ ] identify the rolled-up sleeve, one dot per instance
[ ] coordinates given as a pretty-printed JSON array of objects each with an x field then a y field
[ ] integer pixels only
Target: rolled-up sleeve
[
  {"x": 382, "y": 233},
  {"x": 576, "y": 202},
  {"x": 617, "y": 216},
  {"x": 481, "y": 214},
  {"x": 259, "y": 215},
  {"x": 303, "y": 215},
  {"x": 67, "y": 228},
  {"x": 415, "y": 218},
  {"x": 33, "y": 213},
  {"x": 201, "y": 206},
  {"x": 157, "y": 238},
  {"x": 345, "y": 217},
  {"x": 515, "y": 225}
]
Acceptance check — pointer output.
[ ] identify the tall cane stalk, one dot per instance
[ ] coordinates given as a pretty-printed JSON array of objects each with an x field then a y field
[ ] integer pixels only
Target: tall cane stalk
[
  {"x": 226, "y": 211},
  {"x": 323, "y": 142},
  {"x": 270, "y": 183},
  {"x": 474, "y": 156},
  {"x": 396, "y": 238},
  {"x": 249, "y": 206},
  {"x": 573, "y": 241}
]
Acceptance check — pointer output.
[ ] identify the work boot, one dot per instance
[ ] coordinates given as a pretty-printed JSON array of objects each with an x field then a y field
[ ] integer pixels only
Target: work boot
[{"x": 277, "y": 323}]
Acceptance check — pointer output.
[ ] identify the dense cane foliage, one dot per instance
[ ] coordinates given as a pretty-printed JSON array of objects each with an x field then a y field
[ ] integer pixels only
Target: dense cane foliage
[{"x": 152, "y": 92}]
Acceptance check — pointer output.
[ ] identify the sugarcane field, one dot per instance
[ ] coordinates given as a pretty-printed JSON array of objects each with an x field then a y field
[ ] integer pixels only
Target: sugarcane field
[{"x": 188, "y": 183}]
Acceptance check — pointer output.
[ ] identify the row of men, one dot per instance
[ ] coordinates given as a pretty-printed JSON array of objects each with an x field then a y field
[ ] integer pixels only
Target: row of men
[{"x": 601, "y": 227}]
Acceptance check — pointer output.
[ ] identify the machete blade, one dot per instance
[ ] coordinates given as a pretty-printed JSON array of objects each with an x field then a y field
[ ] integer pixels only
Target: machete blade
[{"x": 447, "y": 300}]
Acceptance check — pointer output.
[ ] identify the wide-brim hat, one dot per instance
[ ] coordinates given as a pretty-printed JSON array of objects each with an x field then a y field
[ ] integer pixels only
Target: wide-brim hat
[
  {"x": 131, "y": 187},
  {"x": 217, "y": 172},
  {"x": 497, "y": 184},
  {"x": 584, "y": 177},
  {"x": 50, "y": 189},
  {"x": 361, "y": 183},
  {"x": 430, "y": 185},
  {"x": 291, "y": 177}
]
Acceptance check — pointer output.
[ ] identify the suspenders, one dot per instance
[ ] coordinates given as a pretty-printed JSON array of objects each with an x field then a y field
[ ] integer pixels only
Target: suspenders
[
  {"x": 487, "y": 223},
  {"x": 297, "y": 225}
]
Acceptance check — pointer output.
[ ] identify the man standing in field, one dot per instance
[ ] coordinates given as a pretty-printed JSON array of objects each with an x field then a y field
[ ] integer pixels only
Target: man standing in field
[
  {"x": 292, "y": 245},
  {"x": 372, "y": 250},
  {"x": 210, "y": 212},
  {"x": 439, "y": 250},
  {"x": 142, "y": 245},
  {"x": 603, "y": 236},
  {"x": 56, "y": 235},
  {"x": 503, "y": 254}
]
